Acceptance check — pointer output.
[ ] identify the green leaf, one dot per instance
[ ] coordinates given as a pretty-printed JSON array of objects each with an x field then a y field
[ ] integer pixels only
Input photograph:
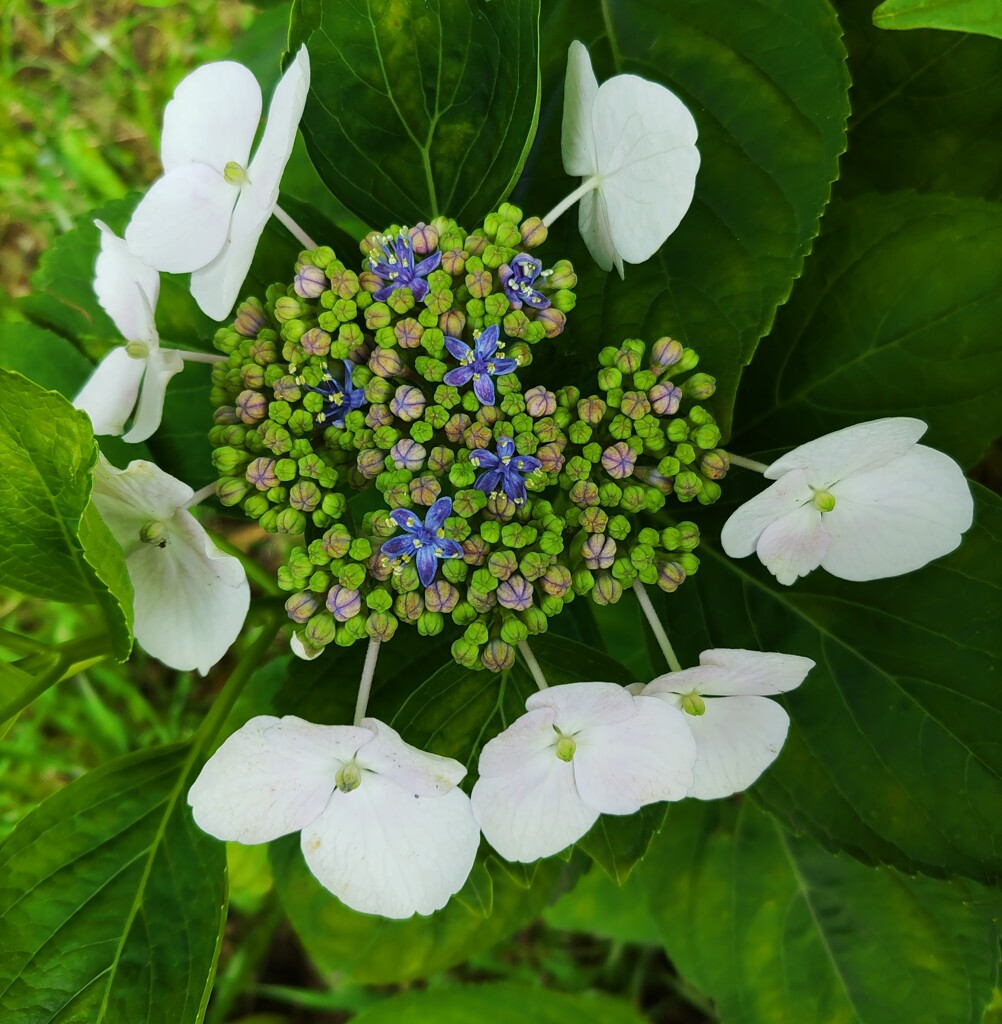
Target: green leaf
[
  {"x": 766, "y": 83},
  {"x": 983, "y": 16},
  {"x": 112, "y": 902},
  {"x": 775, "y": 929},
  {"x": 882, "y": 325},
  {"x": 498, "y": 1003},
  {"x": 893, "y": 752},
  {"x": 50, "y": 546},
  {"x": 419, "y": 108},
  {"x": 616, "y": 843}
]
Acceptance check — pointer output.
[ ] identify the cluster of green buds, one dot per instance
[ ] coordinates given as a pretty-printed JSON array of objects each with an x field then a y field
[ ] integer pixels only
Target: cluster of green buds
[{"x": 356, "y": 404}]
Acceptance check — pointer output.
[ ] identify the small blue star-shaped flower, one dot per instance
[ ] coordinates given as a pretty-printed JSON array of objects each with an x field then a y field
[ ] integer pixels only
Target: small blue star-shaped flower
[
  {"x": 425, "y": 542},
  {"x": 339, "y": 400},
  {"x": 394, "y": 263},
  {"x": 518, "y": 277},
  {"x": 479, "y": 364},
  {"x": 505, "y": 470}
]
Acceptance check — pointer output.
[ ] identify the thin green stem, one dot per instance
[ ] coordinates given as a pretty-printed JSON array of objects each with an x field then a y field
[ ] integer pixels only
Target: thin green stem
[
  {"x": 656, "y": 628},
  {"x": 530, "y": 660},
  {"x": 617, "y": 56},
  {"x": 294, "y": 229},
  {"x": 568, "y": 201},
  {"x": 365, "y": 683},
  {"x": 740, "y": 460},
  {"x": 18, "y": 644}
]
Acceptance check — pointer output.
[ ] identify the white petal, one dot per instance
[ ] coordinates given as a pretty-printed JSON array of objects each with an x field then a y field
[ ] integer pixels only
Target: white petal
[
  {"x": 579, "y": 705},
  {"x": 737, "y": 738},
  {"x": 593, "y": 223},
  {"x": 191, "y": 599},
  {"x": 130, "y": 498},
  {"x": 182, "y": 222},
  {"x": 271, "y": 777},
  {"x": 109, "y": 396},
  {"x": 303, "y": 650},
  {"x": 382, "y": 850},
  {"x": 894, "y": 519},
  {"x": 728, "y": 671},
  {"x": 532, "y": 812},
  {"x": 794, "y": 545},
  {"x": 414, "y": 770},
  {"x": 577, "y": 139},
  {"x": 126, "y": 288},
  {"x": 622, "y": 767},
  {"x": 212, "y": 118},
  {"x": 646, "y": 145},
  {"x": 860, "y": 447},
  {"x": 526, "y": 736},
  {"x": 161, "y": 365},
  {"x": 741, "y": 532}
]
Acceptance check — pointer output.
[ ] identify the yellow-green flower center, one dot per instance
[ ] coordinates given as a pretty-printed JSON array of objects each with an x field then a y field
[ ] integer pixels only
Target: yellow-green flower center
[
  {"x": 823, "y": 501},
  {"x": 693, "y": 704},
  {"x": 348, "y": 777}
]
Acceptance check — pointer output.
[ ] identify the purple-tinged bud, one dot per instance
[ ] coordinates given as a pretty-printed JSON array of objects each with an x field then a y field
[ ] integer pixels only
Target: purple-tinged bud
[
  {"x": 550, "y": 457},
  {"x": 381, "y": 626},
  {"x": 316, "y": 342},
  {"x": 252, "y": 376},
  {"x": 515, "y": 593},
  {"x": 687, "y": 485},
  {"x": 408, "y": 454},
  {"x": 378, "y": 416},
  {"x": 488, "y": 414},
  {"x": 386, "y": 362},
  {"x": 699, "y": 386},
  {"x": 344, "y": 283},
  {"x": 481, "y": 602},
  {"x": 665, "y": 352},
  {"x": 370, "y": 282},
  {"x": 250, "y": 318},
  {"x": 583, "y": 493},
  {"x": 263, "y": 351},
  {"x": 452, "y": 323},
  {"x": 478, "y": 436},
  {"x": 634, "y": 404},
  {"x": 370, "y": 463},
  {"x": 479, "y": 283},
  {"x": 408, "y": 403},
  {"x": 343, "y": 603},
  {"x": 553, "y": 321},
  {"x": 618, "y": 460},
  {"x": 533, "y": 232},
  {"x": 261, "y": 473},
  {"x": 598, "y": 551},
  {"x": 563, "y": 275},
  {"x": 539, "y": 402},
  {"x": 252, "y": 406},
  {"x": 607, "y": 590},
  {"x": 441, "y": 596},
  {"x": 408, "y": 333},
  {"x": 500, "y": 506},
  {"x": 556, "y": 581},
  {"x": 336, "y": 542},
  {"x": 457, "y": 426},
  {"x": 440, "y": 459},
  {"x": 319, "y": 631},
  {"x": 475, "y": 550},
  {"x": 310, "y": 283},
  {"x": 502, "y": 564},
  {"x": 454, "y": 262},
  {"x": 591, "y": 410},
  {"x": 497, "y": 656},
  {"x": 475, "y": 244},
  {"x": 653, "y": 478},
  {"x": 409, "y": 606},
  {"x": 425, "y": 490},
  {"x": 594, "y": 520},
  {"x": 715, "y": 464},
  {"x": 671, "y": 576},
  {"x": 665, "y": 398},
  {"x": 379, "y": 567},
  {"x": 302, "y": 607},
  {"x": 286, "y": 389},
  {"x": 225, "y": 416},
  {"x": 287, "y": 308},
  {"x": 304, "y": 495},
  {"x": 424, "y": 238},
  {"x": 231, "y": 491}
]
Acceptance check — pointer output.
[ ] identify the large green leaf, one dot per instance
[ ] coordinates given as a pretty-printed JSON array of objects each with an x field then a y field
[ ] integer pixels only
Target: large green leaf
[
  {"x": 50, "y": 546},
  {"x": 893, "y": 751},
  {"x": 111, "y": 900},
  {"x": 775, "y": 929},
  {"x": 883, "y": 325},
  {"x": 984, "y": 16},
  {"x": 419, "y": 108},
  {"x": 766, "y": 83},
  {"x": 499, "y": 1003}
]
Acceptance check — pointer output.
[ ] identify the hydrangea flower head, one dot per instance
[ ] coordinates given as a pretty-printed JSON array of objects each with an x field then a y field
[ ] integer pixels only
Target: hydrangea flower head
[
  {"x": 383, "y": 825},
  {"x": 504, "y": 471},
  {"x": 864, "y": 503},
  {"x": 394, "y": 263},
  {"x": 425, "y": 542},
  {"x": 480, "y": 363}
]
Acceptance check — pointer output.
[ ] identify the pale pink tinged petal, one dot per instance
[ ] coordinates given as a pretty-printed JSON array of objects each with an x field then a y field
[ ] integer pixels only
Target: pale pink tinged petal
[
  {"x": 532, "y": 812},
  {"x": 855, "y": 449},
  {"x": 899, "y": 517},
  {"x": 593, "y": 223},
  {"x": 526, "y": 736},
  {"x": 740, "y": 534},
  {"x": 414, "y": 770},
  {"x": 117, "y": 273},
  {"x": 302, "y": 650},
  {"x": 191, "y": 599},
  {"x": 382, "y": 850},
  {"x": 181, "y": 224},
  {"x": 577, "y": 140},
  {"x": 579, "y": 705},
  {"x": 130, "y": 498},
  {"x": 730, "y": 671},
  {"x": 161, "y": 365},
  {"x": 271, "y": 777},
  {"x": 212, "y": 118},
  {"x": 648, "y": 758},
  {"x": 737, "y": 738},
  {"x": 109, "y": 396},
  {"x": 793, "y": 546}
]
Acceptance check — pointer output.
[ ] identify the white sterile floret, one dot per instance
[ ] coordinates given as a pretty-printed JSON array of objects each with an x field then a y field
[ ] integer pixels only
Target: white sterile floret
[
  {"x": 206, "y": 213},
  {"x": 581, "y": 750},
  {"x": 384, "y": 826},
  {"x": 636, "y": 142},
  {"x": 864, "y": 503},
  {"x": 128, "y": 290},
  {"x": 190, "y": 598},
  {"x": 739, "y": 732}
]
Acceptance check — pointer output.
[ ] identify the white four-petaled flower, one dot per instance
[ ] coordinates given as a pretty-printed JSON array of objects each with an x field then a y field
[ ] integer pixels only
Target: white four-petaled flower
[
  {"x": 128, "y": 290},
  {"x": 738, "y": 730},
  {"x": 634, "y": 143},
  {"x": 190, "y": 598},
  {"x": 864, "y": 503},
  {"x": 384, "y": 825},
  {"x": 206, "y": 213},
  {"x": 581, "y": 750}
]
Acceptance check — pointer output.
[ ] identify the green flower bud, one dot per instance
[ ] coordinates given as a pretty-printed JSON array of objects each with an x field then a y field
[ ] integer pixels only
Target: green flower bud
[
  {"x": 608, "y": 590},
  {"x": 688, "y": 536},
  {"x": 619, "y": 528},
  {"x": 671, "y": 576},
  {"x": 490, "y": 531},
  {"x": 228, "y": 461},
  {"x": 319, "y": 630},
  {"x": 699, "y": 386},
  {"x": 514, "y": 631},
  {"x": 465, "y": 653},
  {"x": 501, "y": 564},
  {"x": 706, "y": 436},
  {"x": 381, "y": 626},
  {"x": 609, "y": 378},
  {"x": 430, "y": 623},
  {"x": 687, "y": 485},
  {"x": 534, "y": 619},
  {"x": 231, "y": 491},
  {"x": 715, "y": 464},
  {"x": 498, "y": 656},
  {"x": 582, "y": 581},
  {"x": 304, "y": 495}
]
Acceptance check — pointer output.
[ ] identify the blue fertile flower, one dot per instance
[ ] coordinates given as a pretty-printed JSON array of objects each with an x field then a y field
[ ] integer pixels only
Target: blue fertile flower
[
  {"x": 394, "y": 263},
  {"x": 425, "y": 542},
  {"x": 518, "y": 278},
  {"x": 504, "y": 470},
  {"x": 481, "y": 363},
  {"x": 338, "y": 400}
]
